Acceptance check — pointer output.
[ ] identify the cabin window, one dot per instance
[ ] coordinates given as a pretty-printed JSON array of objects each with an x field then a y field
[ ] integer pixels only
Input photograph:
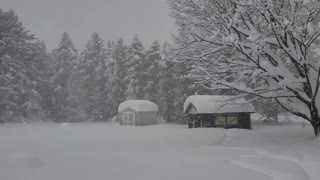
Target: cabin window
[
  {"x": 226, "y": 120},
  {"x": 128, "y": 118},
  {"x": 220, "y": 120},
  {"x": 232, "y": 120}
]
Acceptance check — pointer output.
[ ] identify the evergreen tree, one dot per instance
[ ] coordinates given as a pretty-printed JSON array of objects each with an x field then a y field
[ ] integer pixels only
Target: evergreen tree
[
  {"x": 166, "y": 85},
  {"x": 21, "y": 64},
  {"x": 65, "y": 57},
  {"x": 35, "y": 96},
  {"x": 92, "y": 68},
  {"x": 175, "y": 87},
  {"x": 152, "y": 73},
  {"x": 46, "y": 90},
  {"x": 135, "y": 70},
  {"x": 116, "y": 73}
]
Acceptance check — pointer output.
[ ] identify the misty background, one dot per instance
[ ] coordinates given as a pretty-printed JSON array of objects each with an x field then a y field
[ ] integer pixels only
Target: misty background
[
  {"x": 76, "y": 61},
  {"x": 112, "y": 19}
]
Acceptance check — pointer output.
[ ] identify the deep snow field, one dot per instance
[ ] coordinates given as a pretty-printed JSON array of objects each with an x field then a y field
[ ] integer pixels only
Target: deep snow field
[{"x": 94, "y": 151}]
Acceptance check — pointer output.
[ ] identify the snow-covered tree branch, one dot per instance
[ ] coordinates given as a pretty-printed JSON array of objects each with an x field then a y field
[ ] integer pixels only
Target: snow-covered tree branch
[{"x": 268, "y": 48}]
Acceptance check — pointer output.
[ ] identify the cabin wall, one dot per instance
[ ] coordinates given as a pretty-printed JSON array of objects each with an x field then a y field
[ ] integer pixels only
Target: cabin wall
[
  {"x": 194, "y": 120},
  {"x": 209, "y": 120},
  {"x": 245, "y": 121},
  {"x": 201, "y": 120},
  {"x": 141, "y": 118},
  {"x": 121, "y": 114},
  {"x": 146, "y": 118}
]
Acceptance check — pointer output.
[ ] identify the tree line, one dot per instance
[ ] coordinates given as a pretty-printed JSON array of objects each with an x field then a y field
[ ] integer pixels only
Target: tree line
[{"x": 66, "y": 85}]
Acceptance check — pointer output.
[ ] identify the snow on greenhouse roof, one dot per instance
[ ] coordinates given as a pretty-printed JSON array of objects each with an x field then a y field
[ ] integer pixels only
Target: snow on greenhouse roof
[
  {"x": 138, "y": 105},
  {"x": 207, "y": 104}
]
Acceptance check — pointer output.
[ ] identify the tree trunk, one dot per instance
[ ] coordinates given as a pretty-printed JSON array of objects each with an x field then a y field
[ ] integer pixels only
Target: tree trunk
[
  {"x": 316, "y": 128},
  {"x": 315, "y": 119}
]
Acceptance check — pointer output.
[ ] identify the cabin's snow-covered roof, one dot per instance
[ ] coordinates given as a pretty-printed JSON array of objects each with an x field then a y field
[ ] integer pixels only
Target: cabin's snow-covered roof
[
  {"x": 138, "y": 105},
  {"x": 207, "y": 104}
]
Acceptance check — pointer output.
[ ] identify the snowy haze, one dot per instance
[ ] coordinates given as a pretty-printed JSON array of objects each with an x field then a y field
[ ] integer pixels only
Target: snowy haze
[{"x": 112, "y": 19}]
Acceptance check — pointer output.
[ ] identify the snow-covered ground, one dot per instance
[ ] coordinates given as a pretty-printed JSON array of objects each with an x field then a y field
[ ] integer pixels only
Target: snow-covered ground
[{"x": 108, "y": 151}]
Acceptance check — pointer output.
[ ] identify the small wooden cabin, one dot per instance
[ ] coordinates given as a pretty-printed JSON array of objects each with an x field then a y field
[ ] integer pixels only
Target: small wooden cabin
[
  {"x": 138, "y": 113},
  {"x": 218, "y": 111}
]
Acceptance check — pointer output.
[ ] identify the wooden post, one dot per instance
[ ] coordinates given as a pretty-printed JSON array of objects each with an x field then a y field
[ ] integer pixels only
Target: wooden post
[{"x": 133, "y": 118}]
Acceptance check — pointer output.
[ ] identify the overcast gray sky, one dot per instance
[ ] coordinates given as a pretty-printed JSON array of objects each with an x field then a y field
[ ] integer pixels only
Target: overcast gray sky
[{"x": 112, "y": 19}]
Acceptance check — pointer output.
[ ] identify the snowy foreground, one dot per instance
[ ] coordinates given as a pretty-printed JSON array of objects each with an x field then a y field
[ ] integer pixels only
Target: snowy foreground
[{"x": 162, "y": 152}]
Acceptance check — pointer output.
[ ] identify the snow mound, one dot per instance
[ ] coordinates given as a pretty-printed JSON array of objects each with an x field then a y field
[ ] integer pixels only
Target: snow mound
[
  {"x": 207, "y": 104},
  {"x": 64, "y": 125},
  {"x": 138, "y": 106},
  {"x": 274, "y": 168}
]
